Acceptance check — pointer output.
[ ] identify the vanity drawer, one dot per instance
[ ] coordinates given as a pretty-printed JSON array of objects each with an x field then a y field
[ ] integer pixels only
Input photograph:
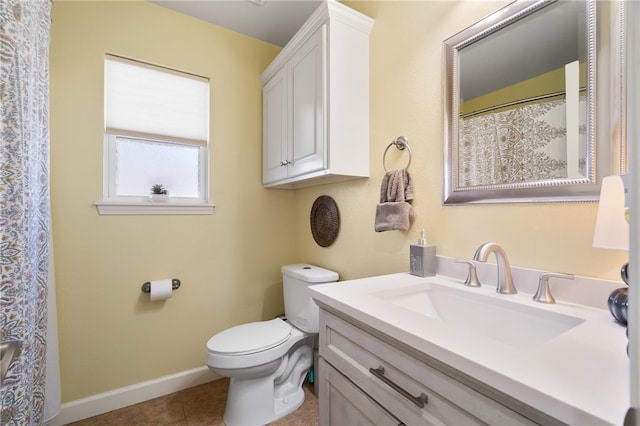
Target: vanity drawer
[
  {"x": 358, "y": 354},
  {"x": 343, "y": 403}
]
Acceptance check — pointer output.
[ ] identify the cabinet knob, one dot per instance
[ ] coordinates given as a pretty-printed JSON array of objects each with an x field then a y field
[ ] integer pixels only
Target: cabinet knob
[{"x": 285, "y": 163}]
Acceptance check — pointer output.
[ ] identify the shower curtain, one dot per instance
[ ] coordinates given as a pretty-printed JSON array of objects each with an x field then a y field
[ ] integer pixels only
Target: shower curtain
[
  {"x": 524, "y": 144},
  {"x": 24, "y": 206}
]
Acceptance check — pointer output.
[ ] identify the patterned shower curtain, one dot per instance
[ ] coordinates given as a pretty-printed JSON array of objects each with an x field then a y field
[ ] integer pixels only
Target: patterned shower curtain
[
  {"x": 524, "y": 144},
  {"x": 24, "y": 203}
]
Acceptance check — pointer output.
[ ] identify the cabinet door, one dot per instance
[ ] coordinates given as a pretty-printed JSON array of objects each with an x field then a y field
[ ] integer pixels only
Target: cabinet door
[
  {"x": 404, "y": 379},
  {"x": 307, "y": 71},
  {"x": 274, "y": 128},
  {"x": 342, "y": 403}
]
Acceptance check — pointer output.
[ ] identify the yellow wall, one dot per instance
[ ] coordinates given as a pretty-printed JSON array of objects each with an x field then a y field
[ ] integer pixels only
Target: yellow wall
[
  {"x": 229, "y": 262},
  {"x": 541, "y": 85},
  {"x": 406, "y": 99}
]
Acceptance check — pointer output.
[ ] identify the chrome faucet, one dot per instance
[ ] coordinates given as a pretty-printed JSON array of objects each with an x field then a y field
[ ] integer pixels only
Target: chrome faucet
[
  {"x": 505, "y": 280},
  {"x": 543, "y": 294}
]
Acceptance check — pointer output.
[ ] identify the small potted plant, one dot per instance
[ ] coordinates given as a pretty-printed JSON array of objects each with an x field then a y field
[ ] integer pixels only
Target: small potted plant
[{"x": 159, "y": 193}]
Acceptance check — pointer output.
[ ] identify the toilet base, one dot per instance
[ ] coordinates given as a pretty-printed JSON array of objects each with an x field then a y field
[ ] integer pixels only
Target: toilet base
[
  {"x": 242, "y": 412},
  {"x": 254, "y": 402}
]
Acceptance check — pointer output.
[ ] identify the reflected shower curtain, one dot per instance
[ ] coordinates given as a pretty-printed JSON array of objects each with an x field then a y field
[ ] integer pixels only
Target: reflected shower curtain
[
  {"x": 524, "y": 144},
  {"x": 24, "y": 203}
]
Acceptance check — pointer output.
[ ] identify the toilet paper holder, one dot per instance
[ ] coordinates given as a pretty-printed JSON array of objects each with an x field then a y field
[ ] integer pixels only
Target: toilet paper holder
[{"x": 175, "y": 284}]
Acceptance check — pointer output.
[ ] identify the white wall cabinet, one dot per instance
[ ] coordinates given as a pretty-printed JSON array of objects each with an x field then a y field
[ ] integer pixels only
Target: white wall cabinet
[
  {"x": 316, "y": 102},
  {"x": 370, "y": 379}
]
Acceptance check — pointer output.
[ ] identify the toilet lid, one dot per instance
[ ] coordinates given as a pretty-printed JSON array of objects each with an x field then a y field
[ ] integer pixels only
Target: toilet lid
[{"x": 251, "y": 337}]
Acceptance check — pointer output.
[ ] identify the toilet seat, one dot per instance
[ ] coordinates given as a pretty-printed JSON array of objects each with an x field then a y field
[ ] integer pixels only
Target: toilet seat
[
  {"x": 250, "y": 338},
  {"x": 252, "y": 344}
]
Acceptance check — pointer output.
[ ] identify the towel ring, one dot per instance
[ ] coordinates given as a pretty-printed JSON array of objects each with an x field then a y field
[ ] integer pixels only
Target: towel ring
[{"x": 401, "y": 142}]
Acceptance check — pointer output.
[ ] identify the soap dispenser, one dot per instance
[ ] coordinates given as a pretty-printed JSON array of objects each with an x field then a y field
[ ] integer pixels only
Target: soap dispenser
[{"x": 422, "y": 258}]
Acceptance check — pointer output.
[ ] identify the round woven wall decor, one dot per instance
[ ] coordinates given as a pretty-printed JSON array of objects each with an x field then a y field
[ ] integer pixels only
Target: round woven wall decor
[{"x": 325, "y": 220}]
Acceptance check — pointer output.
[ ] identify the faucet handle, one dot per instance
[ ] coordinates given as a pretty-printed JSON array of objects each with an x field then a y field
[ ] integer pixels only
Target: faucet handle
[
  {"x": 472, "y": 277},
  {"x": 543, "y": 294}
]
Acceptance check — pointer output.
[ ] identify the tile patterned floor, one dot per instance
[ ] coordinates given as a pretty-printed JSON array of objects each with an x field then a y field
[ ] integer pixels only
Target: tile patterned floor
[{"x": 198, "y": 406}]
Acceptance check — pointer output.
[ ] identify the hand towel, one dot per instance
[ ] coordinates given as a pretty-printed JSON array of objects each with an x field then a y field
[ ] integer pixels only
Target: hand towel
[
  {"x": 394, "y": 216},
  {"x": 394, "y": 213},
  {"x": 397, "y": 185}
]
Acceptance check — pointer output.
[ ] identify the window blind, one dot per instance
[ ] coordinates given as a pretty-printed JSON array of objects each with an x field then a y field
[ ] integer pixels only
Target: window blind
[{"x": 151, "y": 102}]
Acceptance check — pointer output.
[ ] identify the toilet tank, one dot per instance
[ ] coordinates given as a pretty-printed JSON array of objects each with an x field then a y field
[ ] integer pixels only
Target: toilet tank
[{"x": 299, "y": 307}]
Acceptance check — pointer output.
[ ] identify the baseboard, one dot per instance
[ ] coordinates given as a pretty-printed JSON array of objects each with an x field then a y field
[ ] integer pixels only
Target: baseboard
[{"x": 129, "y": 395}]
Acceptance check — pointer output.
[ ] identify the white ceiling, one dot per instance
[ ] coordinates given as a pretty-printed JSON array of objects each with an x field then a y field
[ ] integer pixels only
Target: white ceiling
[
  {"x": 273, "y": 21},
  {"x": 538, "y": 48}
]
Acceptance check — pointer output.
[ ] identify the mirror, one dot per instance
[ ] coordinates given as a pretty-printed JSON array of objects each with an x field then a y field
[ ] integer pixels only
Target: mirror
[{"x": 534, "y": 103}]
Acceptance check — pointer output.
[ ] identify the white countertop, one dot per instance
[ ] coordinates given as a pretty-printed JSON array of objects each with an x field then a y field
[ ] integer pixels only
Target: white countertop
[{"x": 579, "y": 377}]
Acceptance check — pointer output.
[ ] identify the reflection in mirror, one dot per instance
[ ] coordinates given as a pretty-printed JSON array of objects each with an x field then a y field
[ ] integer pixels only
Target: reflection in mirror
[
  {"x": 515, "y": 112},
  {"x": 520, "y": 101}
]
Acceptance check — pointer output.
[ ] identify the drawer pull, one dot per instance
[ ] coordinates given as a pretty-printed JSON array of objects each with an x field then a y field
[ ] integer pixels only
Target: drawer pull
[{"x": 419, "y": 400}]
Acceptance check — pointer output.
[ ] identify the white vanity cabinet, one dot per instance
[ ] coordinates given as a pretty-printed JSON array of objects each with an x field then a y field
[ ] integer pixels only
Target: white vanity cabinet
[
  {"x": 316, "y": 102},
  {"x": 366, "y": 379}
]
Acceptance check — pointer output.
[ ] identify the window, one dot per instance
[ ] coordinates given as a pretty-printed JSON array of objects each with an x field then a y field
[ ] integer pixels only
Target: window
[{"x": 156, "y": 132}]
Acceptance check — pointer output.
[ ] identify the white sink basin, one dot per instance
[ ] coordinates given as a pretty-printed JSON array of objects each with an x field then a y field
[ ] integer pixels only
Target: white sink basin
[
  {"x": 482, "y": 311},
  {"x": 567, "y": 359}
]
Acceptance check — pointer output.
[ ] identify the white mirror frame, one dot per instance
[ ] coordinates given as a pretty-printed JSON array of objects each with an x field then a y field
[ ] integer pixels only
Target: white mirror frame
[{"x": 605, "y": 109}]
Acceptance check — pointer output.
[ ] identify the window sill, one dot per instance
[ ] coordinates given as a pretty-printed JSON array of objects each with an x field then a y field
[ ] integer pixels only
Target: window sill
[{"x": 150, "y": 208}]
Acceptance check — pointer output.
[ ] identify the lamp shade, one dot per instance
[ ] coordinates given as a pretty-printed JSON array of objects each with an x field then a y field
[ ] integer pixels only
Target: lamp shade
[{"x": 612, "y": 228}]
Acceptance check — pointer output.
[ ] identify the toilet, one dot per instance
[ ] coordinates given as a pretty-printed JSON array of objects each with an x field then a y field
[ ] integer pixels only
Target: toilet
[{"x": 267, "y": 361}]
